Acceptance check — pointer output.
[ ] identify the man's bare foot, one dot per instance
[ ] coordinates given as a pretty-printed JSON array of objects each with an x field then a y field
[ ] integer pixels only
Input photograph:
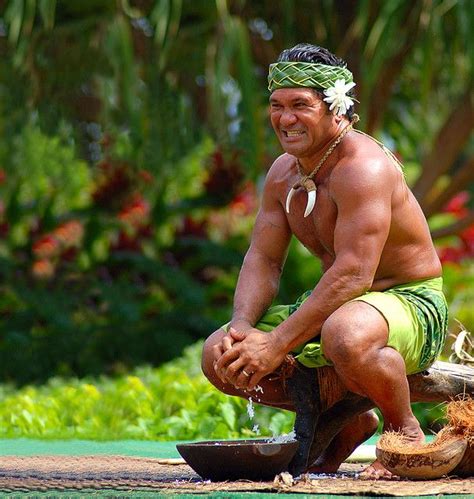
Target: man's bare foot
[
  {"x": 357, "y": 431},
  {"x": 376, "y": 471},
  {"x": 411, "y": 431}
]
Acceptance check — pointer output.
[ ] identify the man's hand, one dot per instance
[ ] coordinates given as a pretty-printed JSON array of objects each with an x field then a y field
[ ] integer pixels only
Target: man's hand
[
  {"x": 250, "y": 356},
  {"x": 228, "y": 340}
]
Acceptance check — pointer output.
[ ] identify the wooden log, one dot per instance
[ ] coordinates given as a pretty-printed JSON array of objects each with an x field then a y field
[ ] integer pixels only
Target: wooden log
[
  {"x": 442, "y": 382},
  {"x": 320, "y": 416}
]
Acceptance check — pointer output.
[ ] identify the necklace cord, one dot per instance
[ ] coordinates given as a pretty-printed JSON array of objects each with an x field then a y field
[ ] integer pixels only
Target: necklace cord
[
  {"x": 321, "y": 162},
  {"x": 307, "y": 181}
]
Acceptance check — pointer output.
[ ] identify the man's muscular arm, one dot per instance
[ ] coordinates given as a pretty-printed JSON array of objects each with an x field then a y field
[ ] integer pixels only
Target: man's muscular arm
[
  {"x": 259, "y": 276},
  {"x": 363, "y": 198}
]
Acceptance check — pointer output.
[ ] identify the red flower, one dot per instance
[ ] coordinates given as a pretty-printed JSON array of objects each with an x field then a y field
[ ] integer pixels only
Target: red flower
[
  {"x": 69, "y": 233},
  {"x": 115, "y": 183},
  {"x": 225, "y": 175},
  {"x": 43, "y": 269},
  {"x": 449, "y": 254},
  {"x": 467, "y": 237},
  {"x": 46, "y": 247},
  {"x": 136, "y": 213},
  {"x": 245, "y": 202},
  {"x": 457, "y": 204},
  {"x": 193, "y": 228}
]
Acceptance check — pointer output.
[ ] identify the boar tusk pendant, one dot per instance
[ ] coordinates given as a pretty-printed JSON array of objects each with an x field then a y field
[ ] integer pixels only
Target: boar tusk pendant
[
  {"x": 310, "y": 188},
  {"x": 290, "y": 196},
  {"x": 310, "y": 204},
  {"x": 307, "y": 180}
]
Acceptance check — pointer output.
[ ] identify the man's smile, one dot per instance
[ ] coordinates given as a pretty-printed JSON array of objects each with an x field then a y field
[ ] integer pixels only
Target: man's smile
[{"x": 292, "y": 133}]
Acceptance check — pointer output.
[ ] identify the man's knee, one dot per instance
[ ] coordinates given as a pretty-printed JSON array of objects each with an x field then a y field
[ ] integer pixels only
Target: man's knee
[
  {"x": 339, "y": 344},
  {"x": 207, "y": 364},
  {"x": 352, "y": 332},
  {"x": 208, "y": 356}
]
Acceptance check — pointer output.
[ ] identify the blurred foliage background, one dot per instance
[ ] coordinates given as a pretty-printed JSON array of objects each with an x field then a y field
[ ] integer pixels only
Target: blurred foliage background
[{"x": 135, "y": 140}]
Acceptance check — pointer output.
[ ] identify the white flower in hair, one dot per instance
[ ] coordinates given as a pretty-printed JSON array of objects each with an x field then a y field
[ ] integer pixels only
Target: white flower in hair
[{"x": 337, "y": 98}]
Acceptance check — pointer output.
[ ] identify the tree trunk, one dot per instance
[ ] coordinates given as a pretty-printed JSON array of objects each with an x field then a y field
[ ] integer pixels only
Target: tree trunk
[
  {"x": 450, "y": 140},
  {"x": 382, "y": 90},
  {"x": 460, "y": 180}
]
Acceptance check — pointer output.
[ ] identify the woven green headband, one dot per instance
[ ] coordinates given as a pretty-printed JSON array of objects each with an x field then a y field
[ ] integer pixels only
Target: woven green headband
[{"x": 305, "y": 74}]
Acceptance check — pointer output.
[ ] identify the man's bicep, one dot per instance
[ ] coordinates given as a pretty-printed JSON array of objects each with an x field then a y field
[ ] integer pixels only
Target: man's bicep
[{"x": 363, "y": 223}]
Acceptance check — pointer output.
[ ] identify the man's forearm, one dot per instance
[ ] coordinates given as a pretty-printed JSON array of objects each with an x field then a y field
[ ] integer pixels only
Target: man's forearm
[
  {"x": 256, "y": 288},
  {"x": 336, "y": 287}
]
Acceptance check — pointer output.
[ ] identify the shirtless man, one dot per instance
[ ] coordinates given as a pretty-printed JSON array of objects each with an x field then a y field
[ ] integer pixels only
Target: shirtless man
[{"x": 378, "y": 312}]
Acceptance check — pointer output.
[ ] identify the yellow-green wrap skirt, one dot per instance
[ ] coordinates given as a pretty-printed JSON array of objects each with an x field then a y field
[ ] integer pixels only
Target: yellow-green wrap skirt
[{"x": 416, "y": 314}]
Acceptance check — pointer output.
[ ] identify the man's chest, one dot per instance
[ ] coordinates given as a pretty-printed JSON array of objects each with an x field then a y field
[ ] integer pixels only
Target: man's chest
[{"x": 316, "y": 231}]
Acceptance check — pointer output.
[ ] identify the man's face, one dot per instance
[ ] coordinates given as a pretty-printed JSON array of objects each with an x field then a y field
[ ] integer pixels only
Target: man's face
[{"x": 300, "y": 119}]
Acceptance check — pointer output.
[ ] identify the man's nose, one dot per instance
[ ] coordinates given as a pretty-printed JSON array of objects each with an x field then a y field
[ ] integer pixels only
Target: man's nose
[{"x": 288, "y": 118}]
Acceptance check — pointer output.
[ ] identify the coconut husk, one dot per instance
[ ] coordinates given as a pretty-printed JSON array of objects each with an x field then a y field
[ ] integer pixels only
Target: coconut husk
[
  {"x": 396, "y": 442},
  {"x": 460, "y": 415}
]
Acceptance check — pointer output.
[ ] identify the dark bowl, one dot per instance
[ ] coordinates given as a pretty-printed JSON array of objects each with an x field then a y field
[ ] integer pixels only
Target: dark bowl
[{"x": 256, "y": 459}]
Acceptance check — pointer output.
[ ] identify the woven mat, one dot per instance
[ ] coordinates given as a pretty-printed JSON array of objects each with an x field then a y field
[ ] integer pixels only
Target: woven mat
[{"x": 125, "y": 473}]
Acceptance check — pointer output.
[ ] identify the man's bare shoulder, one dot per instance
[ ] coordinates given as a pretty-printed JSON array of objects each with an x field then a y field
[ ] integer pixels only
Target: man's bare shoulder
[
  {"x": 281, "y": 170},
  {"x": 282, "y": 166},
  {"x": 364, "y": 165}
]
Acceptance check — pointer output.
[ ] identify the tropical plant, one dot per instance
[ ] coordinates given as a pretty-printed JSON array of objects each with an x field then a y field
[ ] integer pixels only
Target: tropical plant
[{"x": 173, "y": 402}]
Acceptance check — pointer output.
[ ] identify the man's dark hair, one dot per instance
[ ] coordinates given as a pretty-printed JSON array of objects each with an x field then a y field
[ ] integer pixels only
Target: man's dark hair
[{"x": 305, "y": 52}]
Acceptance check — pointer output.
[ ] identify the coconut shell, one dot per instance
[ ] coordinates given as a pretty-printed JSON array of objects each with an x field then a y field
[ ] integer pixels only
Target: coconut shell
[
  {"x": 466, "y": 467},
  {"x": 422, "y": 462}
]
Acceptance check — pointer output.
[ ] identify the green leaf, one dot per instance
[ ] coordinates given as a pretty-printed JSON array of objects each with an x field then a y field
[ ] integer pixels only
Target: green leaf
[
  {"x": 228, "y": 413},
  {"x": 14, "y": 19},
  {"x": 27, "y": 416},
  {"x": 47, "y": 10},
  {"x": 166, "y": 16},
  {"x": 28, "y": 18}
]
